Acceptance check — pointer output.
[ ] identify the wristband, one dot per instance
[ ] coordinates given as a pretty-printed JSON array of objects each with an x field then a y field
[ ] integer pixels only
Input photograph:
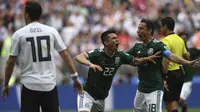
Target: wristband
[{"x": 74, "y": 76}]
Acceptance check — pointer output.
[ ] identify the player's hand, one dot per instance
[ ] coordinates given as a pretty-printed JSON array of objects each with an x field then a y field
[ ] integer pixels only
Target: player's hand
[
  {"x": 95, "y": 67},
  {"x": 153, "y": 57},
  {"x": 5, "y": 92},
  {"x": 78, "y": 86},
  {"x": 195, "y": 63},
  {"x": 166, "y": 85}
]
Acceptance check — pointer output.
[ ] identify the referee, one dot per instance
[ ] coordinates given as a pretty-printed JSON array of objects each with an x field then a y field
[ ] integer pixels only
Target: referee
[{"x": 174, "y": 77}]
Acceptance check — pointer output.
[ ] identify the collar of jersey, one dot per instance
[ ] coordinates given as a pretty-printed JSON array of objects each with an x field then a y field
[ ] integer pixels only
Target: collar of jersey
[
  {"x": 107, "y": 55},
  {"x": 170, "y": 34},
  {"x": 33, "y": 22},
  {"x": 149, "y": 42}
]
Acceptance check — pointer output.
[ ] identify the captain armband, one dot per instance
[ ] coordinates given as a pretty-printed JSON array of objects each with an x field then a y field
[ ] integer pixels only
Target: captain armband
[
  {"x": 166, "y": 53},
  {"x": 74, "y": 76}
]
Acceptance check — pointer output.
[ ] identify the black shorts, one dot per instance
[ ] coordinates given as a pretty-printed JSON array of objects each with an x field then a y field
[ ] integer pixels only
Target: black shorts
[
  {"x": 175, "y": 82},
  {"x": 31, "y": 101}
]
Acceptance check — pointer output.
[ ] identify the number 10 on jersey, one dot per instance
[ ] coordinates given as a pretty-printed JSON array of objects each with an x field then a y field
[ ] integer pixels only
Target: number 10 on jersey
[{"x": 38, "y": 43}]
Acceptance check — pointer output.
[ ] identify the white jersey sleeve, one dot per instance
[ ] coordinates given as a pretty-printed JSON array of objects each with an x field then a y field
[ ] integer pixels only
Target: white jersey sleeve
[
  {"x": 15, "y": 45},
  {"x": 58, "y": 44}
]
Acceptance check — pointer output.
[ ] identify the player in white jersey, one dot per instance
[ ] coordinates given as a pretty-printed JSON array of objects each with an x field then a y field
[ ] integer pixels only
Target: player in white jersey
[{"x": 32, "y": 49}]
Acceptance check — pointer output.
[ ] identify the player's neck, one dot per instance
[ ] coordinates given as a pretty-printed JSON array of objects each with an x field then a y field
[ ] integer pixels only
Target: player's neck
[
  {"x": 109, "y": 52},
  {"x": 169, "y": 33},
  {"x": 32, "y": 21},
  {"x": 146, "y": 42}
]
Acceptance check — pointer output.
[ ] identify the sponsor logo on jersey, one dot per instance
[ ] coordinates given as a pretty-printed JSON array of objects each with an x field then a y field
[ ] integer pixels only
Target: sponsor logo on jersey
[
  {"x": 117, "y": 60},
  {"x": 150, "y": 51}
]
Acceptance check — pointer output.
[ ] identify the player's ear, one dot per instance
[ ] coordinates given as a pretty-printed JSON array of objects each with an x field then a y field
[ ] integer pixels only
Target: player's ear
[
  {"x": 26, "y": 16},
  {"x": 105, "y": 42},
  {"x": 150, "y": 30},
  {"x": 165, "y": 27}
]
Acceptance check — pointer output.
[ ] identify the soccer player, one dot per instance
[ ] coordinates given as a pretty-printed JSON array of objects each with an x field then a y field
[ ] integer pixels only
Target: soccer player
[
  {"x": 103, "y": 65},
  {"x": 188, "y": 74},
  {"x": 173, "y": 73},
  {"x": 31, "y": 50},
  {"x": 151, "y": 78}
]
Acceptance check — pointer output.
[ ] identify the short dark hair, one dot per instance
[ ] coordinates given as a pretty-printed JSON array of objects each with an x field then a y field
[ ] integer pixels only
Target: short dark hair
[
  {"x": 34, "y": 10},
  {"x": 169, "y": 22},
  {"x": 104, "y": 35},
  {"x": 149, "y": 24}
]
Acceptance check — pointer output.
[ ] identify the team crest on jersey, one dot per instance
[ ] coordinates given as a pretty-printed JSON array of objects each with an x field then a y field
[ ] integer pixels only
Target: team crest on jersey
[
  {"x": 117, "y": 60},
  {"x": 150, "y": 51}
]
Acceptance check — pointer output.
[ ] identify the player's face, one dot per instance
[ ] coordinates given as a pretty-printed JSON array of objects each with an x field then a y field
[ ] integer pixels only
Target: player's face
[
  {"x": 143, "y": 32},
  {"x": 112, "y": 42}
]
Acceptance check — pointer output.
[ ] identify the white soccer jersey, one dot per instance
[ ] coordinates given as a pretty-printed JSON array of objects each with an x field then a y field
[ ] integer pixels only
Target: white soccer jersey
[{"x": 33, "y": 45}]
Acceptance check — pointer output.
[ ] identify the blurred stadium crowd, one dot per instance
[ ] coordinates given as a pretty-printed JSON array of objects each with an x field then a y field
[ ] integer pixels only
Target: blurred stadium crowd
[{"x": 80, "y": 23}]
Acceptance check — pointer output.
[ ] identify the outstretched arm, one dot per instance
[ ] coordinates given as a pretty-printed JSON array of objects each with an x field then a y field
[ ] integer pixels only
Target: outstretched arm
[
  {"x": 176, "y": 59},
  {"x": 179, "y": 60},
  {"x": 137, "y": 61},
  {"x": 83, "y": 59}
]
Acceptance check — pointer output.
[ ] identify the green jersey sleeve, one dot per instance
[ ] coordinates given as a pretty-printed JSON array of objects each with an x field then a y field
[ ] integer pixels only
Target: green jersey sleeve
[
  {"x": 132, "y": 51},
  {"x": 126, "y": 58},
  {"x": 93, "y": 54},
  {"x": 162, "y": 47}
]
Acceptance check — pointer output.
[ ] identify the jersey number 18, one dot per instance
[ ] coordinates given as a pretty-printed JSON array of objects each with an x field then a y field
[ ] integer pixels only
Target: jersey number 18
[{"x": 39, "y": 44}]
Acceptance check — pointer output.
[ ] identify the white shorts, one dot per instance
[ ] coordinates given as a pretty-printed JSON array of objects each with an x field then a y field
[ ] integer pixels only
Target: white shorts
[
  {"x": 186, "y": 90},
  {"x": 148, "y": 102},
  {"x": 87, "y": 103}
]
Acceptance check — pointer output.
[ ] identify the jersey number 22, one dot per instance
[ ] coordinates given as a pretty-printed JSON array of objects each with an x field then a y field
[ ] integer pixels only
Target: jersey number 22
[{"x": 108, "y": 71}]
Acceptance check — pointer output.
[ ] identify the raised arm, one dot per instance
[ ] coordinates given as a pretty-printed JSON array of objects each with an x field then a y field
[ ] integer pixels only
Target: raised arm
[{"x": 83, "y": 59}]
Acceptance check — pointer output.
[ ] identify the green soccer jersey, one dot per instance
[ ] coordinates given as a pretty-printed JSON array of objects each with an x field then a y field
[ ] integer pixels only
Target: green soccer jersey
[
  {"x": 151, "y": 76},
  {"x": 98, "y": 83},
  {"x": 189, "y": 71}
]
